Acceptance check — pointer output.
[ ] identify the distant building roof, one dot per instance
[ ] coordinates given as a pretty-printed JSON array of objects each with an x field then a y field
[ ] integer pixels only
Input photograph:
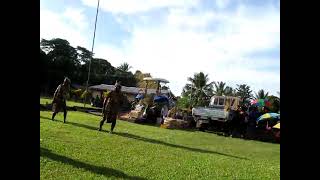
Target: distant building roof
[{"x": 125, "y": 89}]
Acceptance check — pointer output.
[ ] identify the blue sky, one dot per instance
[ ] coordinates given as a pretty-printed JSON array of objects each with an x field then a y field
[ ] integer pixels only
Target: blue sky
[{"x": 235, "y": 41}]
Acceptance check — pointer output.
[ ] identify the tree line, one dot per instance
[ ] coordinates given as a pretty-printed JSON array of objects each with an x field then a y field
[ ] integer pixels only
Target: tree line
[
  {"x": 199, "y": 90},
  {"x": 59, "y": 59}
]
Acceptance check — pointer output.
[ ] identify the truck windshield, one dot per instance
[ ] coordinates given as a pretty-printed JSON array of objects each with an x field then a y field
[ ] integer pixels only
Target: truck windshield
[{"x": 221, "y": 101}]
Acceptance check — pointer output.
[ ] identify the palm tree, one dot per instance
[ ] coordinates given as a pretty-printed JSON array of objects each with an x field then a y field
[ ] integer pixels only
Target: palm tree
[
  {"x": 229, "y": 91},
  {"x": 199, "y": 90},
  {"x": 219, "y": 88},
  {"x": 124, "y": 67},
  {"x": 244, "y": 92},
  {"x": 261, "y": 94}
]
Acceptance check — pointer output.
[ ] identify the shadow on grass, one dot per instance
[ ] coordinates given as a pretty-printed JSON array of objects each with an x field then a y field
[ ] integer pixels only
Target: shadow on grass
[
  {"x": 77, "y": 124},
  {"x": 127, "y": 135},
  {"x": 176, "y": 129},
  {"x": 107, "y": 172}
]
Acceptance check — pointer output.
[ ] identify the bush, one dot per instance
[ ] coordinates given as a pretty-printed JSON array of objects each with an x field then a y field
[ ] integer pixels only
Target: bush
[
  {"x": 86, "y": 94},
  {"x": 183, "y": 102},
  {"x": 105, "y": 93},
  {"x": 76, "y": 94}
]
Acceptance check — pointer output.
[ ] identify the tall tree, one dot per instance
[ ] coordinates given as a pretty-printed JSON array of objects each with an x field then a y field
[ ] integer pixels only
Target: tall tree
[
  {"x": 59, "y": 49},
  {"x": 101, "y": 71},
  {"x": 84, "y": 55},
  {"x": 124, "y": 67},
  {"x": 126, "y": 78},
  {"x": 229, "y": 91},
  {"x": 244, "y": 92},
  {"x": 219, "y": 89},
  {"x": 63, "y": 60},
  {"x": 199, "y": 89},
  {"x": 261, "y": 94}
]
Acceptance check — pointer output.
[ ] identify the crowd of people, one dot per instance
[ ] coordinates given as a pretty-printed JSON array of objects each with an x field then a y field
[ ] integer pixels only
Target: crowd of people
[{"x": 243, "y": 123}]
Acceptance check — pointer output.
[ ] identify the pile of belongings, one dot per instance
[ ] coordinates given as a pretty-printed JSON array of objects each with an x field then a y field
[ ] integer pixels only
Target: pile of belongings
[
  {"x": 137, "y": 112},
  {"x": 170, "y": 123},
  {"x": 126, "y": 117}
]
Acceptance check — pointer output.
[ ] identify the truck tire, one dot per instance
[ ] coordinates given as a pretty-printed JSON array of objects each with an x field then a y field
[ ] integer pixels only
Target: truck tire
[{"x": 202, "y": 127}]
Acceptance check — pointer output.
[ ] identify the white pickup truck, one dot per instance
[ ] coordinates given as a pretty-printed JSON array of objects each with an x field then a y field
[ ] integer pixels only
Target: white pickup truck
[{"x": 218, "y": 111}]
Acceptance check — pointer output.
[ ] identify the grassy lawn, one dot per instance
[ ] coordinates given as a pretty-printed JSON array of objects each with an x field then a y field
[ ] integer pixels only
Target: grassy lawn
[
  {"x": 44, "y": 100},
  {"x": 76, "y": 150}
]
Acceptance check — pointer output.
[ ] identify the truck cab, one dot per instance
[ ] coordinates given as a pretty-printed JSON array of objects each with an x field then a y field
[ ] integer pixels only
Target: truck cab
[{"x": 217, "y": 111}]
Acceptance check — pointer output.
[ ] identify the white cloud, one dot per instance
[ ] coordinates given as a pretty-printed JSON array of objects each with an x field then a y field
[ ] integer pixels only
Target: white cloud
[
  {"x": 222, "y": 3},
  {"x": 76, "y": 18},
  {"x": 174, "y": 53},
  {"x": 182, "y": 18},
  {"x": 184, "y": 43},
  {"x": 111, "y": 53},
  {"x": 137, "y": 6},
  {"x": 70, "y": 25}
]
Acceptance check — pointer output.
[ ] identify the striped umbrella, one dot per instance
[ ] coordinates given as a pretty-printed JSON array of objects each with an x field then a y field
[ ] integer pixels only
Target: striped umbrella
[{"x": 269, "y": 116}]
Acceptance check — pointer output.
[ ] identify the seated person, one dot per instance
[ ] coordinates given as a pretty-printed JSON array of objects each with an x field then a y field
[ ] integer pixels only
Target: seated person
[{"x": 139, "y": 106}]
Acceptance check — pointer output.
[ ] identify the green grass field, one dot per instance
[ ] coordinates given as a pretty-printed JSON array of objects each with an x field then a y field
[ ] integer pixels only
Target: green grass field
[
  {"x": 45, "y": 100},
  {"x": 76, "y": 150}
]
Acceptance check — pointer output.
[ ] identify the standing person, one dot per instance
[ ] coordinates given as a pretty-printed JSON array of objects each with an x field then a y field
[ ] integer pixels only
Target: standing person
[
  {"x": 59, "y": 99},
  {"x": 111, "y": 106},
  {"x": 243, "y": 123},
  {"x": 252, "y": 121},
  {"x": 97, "y": 101},
  {"x": 164, "y": 113},
  {"x": 235, "y": 122}
]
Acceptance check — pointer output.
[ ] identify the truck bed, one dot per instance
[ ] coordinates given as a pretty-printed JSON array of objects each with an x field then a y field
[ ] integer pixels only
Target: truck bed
[{"x": 209, "y": 113}]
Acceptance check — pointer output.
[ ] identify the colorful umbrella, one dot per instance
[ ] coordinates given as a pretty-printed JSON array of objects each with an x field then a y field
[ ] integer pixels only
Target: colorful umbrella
[
  {"x": 260, "y": 102},
  {"x": 269, "y": 116},
  {"x": 277, "y": 126}
]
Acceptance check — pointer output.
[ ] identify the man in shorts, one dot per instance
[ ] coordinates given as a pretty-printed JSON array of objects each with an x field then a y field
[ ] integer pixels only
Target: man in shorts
[
  {"x": 59, "y": 98},
  {"x": 111, "y": 106}
]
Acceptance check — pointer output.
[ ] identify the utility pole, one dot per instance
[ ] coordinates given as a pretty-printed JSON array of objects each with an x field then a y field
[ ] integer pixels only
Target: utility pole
[{"x": 94, "y": 36}]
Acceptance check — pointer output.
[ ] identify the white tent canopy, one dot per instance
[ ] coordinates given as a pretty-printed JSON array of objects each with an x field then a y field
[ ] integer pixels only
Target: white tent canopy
[{"x": 155, "y": 79}]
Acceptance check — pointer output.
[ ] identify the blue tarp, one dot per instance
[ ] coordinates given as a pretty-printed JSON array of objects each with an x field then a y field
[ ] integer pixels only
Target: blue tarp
[
  {"x": 160, "y": 99},
  {"x": 139, "y": 96}
]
